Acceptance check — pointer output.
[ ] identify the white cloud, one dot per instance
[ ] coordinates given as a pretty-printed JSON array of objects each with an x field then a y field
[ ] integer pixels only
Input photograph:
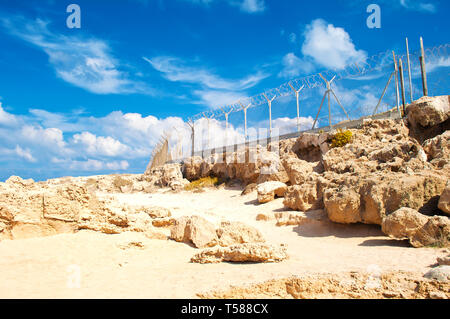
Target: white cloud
[
  {"x": 83, "y": 62},
  {"x": 215, "y": 99},
  {"x": 418, "y": 6},
  {"x": 212, "y": 90},
  {"x": 286, "y": 125},
  {"x": 247, "y": 6},
  {"x": 49, "y": 137},
  {"x": 176, "y": 70},
  {"x": 252, "y": 6},
  {"x": 96, "y": 165},
  {"x": 294, "y": 66},
  {"x": 24, "y": 153},
  {"x": 330, "y": 46},
  {"x": 99, "y": 146},
  {"x": 6, "y": 118}
]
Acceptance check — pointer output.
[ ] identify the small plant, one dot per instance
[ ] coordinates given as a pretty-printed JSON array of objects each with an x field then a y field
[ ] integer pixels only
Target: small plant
[
  {"x": 341, "y": 138},
  {"x": 202, "y": 183}
]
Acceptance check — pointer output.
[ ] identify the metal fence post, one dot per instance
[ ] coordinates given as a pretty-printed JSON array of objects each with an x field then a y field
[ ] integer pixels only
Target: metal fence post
[
  {"x": 191, "y": 124},
  {"x": 269, "y": 101},
  {"x": 423, "y": 69},
  {"x": 297, "y": 92},
  {"x": 409, "y": 72},
  {"x": 402, "y": 84}
]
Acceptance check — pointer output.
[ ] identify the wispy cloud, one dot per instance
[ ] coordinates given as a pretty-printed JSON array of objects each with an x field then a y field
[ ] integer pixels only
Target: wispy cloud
[
  {"x": 83, "y": 62},
  {"x": 247, "y": 6},
  {"x": 418, "y": 6},
  {"x": 212, "y": 89}
]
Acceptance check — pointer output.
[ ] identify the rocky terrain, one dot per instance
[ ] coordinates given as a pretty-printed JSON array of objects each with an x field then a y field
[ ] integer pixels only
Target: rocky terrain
[{"x": 389, "y": 180}]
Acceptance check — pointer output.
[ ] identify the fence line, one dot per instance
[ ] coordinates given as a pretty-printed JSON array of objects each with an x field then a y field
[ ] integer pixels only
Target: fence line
[
  {"x": 374, "y": 67},
  {"x": 378, "y": 62}
]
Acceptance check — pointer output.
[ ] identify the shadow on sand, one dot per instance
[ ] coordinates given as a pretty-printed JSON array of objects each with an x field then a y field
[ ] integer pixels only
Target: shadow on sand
[{"x": 327, "y": 228}]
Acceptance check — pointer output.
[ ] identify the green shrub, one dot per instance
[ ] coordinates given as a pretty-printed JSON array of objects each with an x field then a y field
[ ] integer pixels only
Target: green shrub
[
  {"x": 341, "y": 138},
  {"x": 202, "y": 183}
]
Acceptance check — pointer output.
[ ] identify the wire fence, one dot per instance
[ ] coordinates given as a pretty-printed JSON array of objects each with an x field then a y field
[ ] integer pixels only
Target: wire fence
[{"x": 358, "y": 90}]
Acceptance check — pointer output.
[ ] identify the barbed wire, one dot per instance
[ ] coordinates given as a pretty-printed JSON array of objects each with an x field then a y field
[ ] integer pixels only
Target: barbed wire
[{"x": 381, "y": 62}]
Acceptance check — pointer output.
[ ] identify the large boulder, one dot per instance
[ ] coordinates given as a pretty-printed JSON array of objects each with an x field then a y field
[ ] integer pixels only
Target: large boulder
[
  {"x": 311, "y": 146},
  {"x": 380, "y": 145},
  {"x": 436, "y": 232},
  {"x": 232, "y": 233},
  {"x": 428, "y": 117},
  {"x": 196, "y": 230},
  {"x": 43, "y": 210},
  {"x": 403, "y": 223},
  {"x": 260, "y": 253},
  {"x": 429, "y": 111},
  {"x": 369, "y": 198},
  {"x": 297, "y": 169},
  {"x": 268, "y": 190},
  {"x": 250, "y": 165},
  {"x": 441, "y": 273},
  {"x": 444, "y": 200},
  {"x": 303, "y": 197}
]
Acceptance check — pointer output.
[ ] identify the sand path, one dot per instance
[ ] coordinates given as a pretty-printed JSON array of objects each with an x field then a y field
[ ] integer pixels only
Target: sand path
[{"x": 46, "y": 267}]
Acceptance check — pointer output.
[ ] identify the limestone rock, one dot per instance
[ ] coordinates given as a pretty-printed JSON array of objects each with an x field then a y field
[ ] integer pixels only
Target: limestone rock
[
  {"x": 297, "y": 169},
  {"x": 441, "y": 273},
  {"x": 178, "y": 230},
  {"x": 311, "y": 147},
  {"x": 191, "y": 168},
  {"x": 303, "y": 197},
  {"x": 403, "y": 223},
  {"x": 156, "y": 212},
  {"x": 231, "y": 233},
  {"x": 261, "y": 253},
  {"x": 343, "y": 205},
  {"x": 437, "y": 149},
  {"x": 163, "y": 222},
  {"x": 195, "y": 229},
  {"x": 250, "y": 188},
  {"x": 444, "y": 261},
  {"x": 178, "y": 184},
  {"x": 429, "y": 111},
  {"x": 444, "y": 200},
  {"x": 300, "y": 218},
  {"x": 436, "y": 232},
  {"x": 265, "y": 217},
  {"x": 268, "y": 190},
  {"x": 369, "y": 198}
]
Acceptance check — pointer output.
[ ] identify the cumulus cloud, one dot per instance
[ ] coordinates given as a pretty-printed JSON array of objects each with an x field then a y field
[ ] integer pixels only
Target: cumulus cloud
[
  {"x": 94, "y": 145},
  {"x": 83, "y": 62},
  {"x": 294, "y": 66},
  {"x": 330, "y": 46},
  {"x": 6, "y": 118}
]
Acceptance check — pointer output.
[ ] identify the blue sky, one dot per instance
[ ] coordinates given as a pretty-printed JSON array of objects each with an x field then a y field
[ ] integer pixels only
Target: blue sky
[{"x": 96, "y": 99}]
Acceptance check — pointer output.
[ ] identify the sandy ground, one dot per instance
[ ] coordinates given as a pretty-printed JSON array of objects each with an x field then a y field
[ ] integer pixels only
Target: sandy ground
[{"x": 50, "y": 267}]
